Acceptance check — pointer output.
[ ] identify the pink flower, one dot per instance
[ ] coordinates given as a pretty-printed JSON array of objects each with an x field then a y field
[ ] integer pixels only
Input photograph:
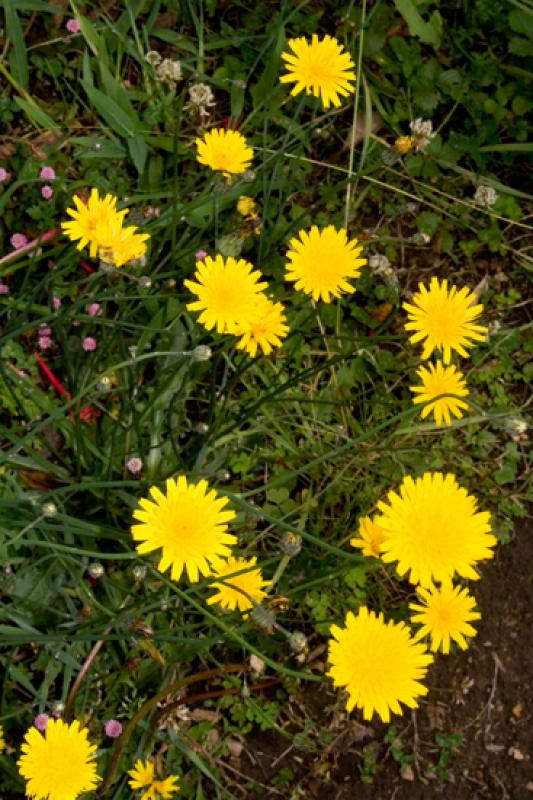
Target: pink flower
[
  {"x": 56, "y": 303},
  {"x": 41, "y": 721},
  {"x": 94, "y": 310},
  {"x": 47, "y": 174},
  {"x": 18, "y": 240},
  {"x": 47, "y": 192},
  {"x": 200, "y": 255},
  {"x": 4, "y": 288},
  {"x": 44, "y": 330},
  {"x": 73, "y": 26},
  {"x": 134, "y": 465},
  {"x": 113, "y": 728},
  {"x": 89, "y": 344},
  {"x": 45, "y": 342},
  {"x": 4, "y": 175}
]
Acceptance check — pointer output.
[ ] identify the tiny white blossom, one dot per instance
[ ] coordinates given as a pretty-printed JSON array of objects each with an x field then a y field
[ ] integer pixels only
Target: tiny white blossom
[
  {"x": 134, "y": 465},
  {"x": 202, "y": 98},
  {"x": 422, "y": 130},
  {"x": 485, "y": 196},
  {"x": 169, "y": 72}
]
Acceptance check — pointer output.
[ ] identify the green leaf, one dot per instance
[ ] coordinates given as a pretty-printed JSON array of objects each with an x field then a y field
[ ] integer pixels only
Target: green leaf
[
  {"x": 116, "y": 118},
  {"x": 87, "y": 30},
  {"x": 19, "y": 59},
  {"x": 519, "y": 46},
  {"x": 138, "y": 151},
  {"x": 35, "y": 114},
  {"x": 428, "y": 32}
]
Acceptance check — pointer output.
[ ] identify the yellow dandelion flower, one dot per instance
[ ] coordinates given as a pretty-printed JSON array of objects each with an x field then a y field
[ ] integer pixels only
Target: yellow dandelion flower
[
  {"x": 142, "y": 775},
  {"x": 379, "y": 664},
  {"x": 2, "y": 740},
  {"x": 404, "y": 144},
  {"x": 246, "y": 206},
  {"x": 238, "y": 591},
  {"x": 88, "y": 219},
  {"x": 59, "y": 763},
  {"x": 371, "y": 537},
  {"x": 320, "y": 67},
  {"x": 227, "y": 151},
  {"x": 226, "y": 291},
  {"x": 322, "y": 261},
  {"x": 264, "y": 329},
  {"x": 189, "y": 525},
  {"x": 433, "y": 529},
  {"x": 119, "y": 245},
  {"x": 444, "y": 319},
  {"x": 167, "y": 787},
  {"x": 445, "y": 614},
  {"x": 436, "y": 381}
]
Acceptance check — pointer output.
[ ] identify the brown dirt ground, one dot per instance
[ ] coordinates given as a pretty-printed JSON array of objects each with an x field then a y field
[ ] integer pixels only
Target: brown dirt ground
[{"x": 485, "y": 694}]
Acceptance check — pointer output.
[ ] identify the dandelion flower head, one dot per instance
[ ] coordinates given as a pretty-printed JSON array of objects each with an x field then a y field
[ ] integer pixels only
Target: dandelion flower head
[
  {"x": 433, "y": 529},
  {"x": 443, "y": 319},
  {"x": 320, "y": 67},
  {"x": 91, "y": 219},
  {"x": 264, "y": 328},
  {"x": 445, "y": 614},
  {"x": 58, "y": 764},
  {"x": 2, "y": 740},
  {"x": 436, "y": 381},
  {"x": 322, "y": 261},
  {"x": 370, "y": 537},
  {"x": 238, "y": 591},
  {"x": 167, "y": 787},
  {"x": 226, "y": 151},
  {"x": 142, "y": 775},
  {"x": 189, "y": 524},
  {"x": 226, "y": 289},
  {"x": 118, "y": 244},
  {"x": 378, "y": 663}
]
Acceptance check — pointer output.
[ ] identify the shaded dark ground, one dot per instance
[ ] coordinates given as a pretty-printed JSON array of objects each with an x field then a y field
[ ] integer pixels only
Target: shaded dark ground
[{"x": 485, "y": 694}]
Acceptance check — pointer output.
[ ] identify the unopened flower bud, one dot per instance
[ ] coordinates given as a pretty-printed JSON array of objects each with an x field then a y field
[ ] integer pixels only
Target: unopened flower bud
[
  {"x": 202, "y": 353},
  {"x": 145, "y": 282},
  {"x": 263, "y": 617},
  {"x": 49, "y": 509},
  {"x": 291, "y": 544},
  {"x": 298, "y": 642},
  {"x": 95, "y": 570},
  {"x": 139, "y": 572}
]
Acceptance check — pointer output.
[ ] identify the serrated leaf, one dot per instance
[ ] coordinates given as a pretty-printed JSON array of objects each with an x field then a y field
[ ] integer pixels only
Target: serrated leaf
[{"x": 428, "y": 32}]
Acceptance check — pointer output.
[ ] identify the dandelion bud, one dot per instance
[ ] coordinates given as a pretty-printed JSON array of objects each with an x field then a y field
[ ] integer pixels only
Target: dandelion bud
[
  {"x": 223, "y": 475},
  {"x": 49, "y": 509},
  {"x": 515, "y": 426},
  {"x": 419, "y": 239},
  {"x": 139, "y": 572},
  {"x": 291, "y": 544},
  {"x": 298, "y": 642},
  {"x": 263, "y": 617},
  {"x": 202, "y": 353},
  {"x": 145, "y": 282},
  {"x": 170, "y": 284},
  {"x": 95, "y": 570}
]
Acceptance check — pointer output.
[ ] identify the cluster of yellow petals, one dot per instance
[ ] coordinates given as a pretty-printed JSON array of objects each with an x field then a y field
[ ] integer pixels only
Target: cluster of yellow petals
[{"x": 98, "y": 224}]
